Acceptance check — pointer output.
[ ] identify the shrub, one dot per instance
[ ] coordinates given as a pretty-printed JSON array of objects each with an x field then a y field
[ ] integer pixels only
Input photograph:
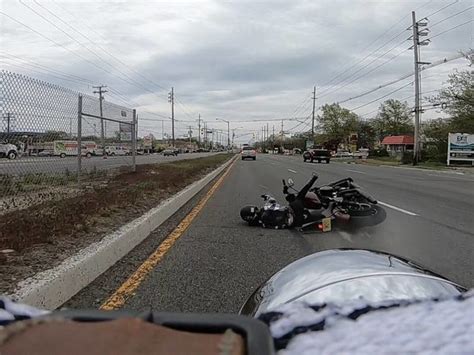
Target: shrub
[
  {"x": 407, "y": 158},
  {"x": 378, "y": 153}
]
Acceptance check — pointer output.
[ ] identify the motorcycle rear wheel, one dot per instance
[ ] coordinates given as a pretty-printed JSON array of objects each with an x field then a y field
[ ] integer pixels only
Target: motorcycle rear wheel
[{"x": 367, "y": 217}]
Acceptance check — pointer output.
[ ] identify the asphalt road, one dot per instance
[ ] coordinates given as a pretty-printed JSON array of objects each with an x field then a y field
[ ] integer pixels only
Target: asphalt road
[
  {"x": 219, "y": 260},
  {"x": 50, "y": 165}
]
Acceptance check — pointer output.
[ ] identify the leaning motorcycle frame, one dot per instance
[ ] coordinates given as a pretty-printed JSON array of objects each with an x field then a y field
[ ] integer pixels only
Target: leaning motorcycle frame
[{"x": 317, "y": 208}]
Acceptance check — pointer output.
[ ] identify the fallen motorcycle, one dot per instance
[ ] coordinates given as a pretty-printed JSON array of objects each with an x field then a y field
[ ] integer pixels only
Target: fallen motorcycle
[{"x": 317, "y": 208}]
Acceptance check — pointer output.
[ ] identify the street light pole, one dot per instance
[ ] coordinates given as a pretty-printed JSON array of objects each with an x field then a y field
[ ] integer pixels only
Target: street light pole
[{"x": 228, "y": 130}]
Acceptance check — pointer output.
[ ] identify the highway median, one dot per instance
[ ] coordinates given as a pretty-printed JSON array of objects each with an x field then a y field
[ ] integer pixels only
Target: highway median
[{"x": 41, "y": 236}]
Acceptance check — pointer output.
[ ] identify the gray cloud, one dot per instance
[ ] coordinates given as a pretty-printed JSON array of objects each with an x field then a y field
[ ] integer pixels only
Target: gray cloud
[{"x": 237, "y": 59}]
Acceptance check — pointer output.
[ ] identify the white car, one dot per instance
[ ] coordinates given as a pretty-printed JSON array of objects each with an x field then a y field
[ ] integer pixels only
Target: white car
[
  {"x": 343, "y": 154},
  {"x": 248, "y": 153},
  {"x": 116, "y": 150}
]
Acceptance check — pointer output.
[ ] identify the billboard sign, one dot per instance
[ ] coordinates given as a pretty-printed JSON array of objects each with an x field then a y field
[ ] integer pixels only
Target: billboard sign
[
  {"x": 125, "y": 132},
  {"x": 460, "y": 147}
]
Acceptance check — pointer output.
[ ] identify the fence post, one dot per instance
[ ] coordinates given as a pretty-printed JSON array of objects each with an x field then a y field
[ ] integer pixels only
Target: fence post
[
  {"x": 134, "y": 141},
  {"x": 79, "y": 138}
]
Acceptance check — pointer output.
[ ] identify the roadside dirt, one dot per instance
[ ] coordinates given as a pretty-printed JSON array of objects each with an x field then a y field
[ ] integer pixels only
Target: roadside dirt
[{"x": 39, "y": 237}]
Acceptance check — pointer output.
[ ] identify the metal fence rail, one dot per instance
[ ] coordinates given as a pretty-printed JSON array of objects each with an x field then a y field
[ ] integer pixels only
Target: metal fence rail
[{"x": 50, "y": 136}]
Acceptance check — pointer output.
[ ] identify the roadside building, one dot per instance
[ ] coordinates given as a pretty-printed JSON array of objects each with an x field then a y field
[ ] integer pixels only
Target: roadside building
[{"x": 396, "y": 145}]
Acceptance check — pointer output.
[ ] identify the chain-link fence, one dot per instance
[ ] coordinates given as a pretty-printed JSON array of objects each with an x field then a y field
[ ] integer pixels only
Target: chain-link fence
[{"x": 52, "y": 137}]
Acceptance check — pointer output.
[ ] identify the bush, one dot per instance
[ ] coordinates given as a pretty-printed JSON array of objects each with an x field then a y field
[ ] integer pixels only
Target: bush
[
  {"x": 432, "y": 153},
  {"x": 407, "y": 158},
  {"x": 378, "y": 153}
]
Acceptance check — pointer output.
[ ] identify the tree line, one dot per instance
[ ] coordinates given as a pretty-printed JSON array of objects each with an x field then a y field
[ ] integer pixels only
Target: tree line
[{"x": 336, "y": 124}]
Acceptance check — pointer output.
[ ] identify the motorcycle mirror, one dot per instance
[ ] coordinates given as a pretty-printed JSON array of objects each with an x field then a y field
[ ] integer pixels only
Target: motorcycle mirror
[{"x": 290, "y": 182}]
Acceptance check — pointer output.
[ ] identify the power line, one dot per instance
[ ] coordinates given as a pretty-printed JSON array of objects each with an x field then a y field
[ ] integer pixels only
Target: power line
[
  {"x": 402, "y": 99},
  {"x": 384, "y": 96},
  {"x": 447, "y": 18},
  {"x": 439, "y": 10},
  {"x": 370, "y": 71},
  {"x": 383, "y": 34},
  {"x": 132, "y": 81},
  {"x": 324, "y": 91},
  {"x": 449, "y": 29},
  {"x": 406, "y": 76},
  {"x": 97, "y": 45}
]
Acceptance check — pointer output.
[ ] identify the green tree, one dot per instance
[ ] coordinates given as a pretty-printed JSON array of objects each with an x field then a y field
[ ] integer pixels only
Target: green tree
[
  {"x": 436, "y": 145},
  {"x": 458, "y": 98},
  {"x": 394, "y": 118},
  {"x": 366, "y": 135},
  {"x": 337, "y": 123}
]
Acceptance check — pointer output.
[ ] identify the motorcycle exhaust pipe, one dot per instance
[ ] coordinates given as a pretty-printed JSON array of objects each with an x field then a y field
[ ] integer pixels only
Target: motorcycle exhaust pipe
[{"x": 342, "y": 217}]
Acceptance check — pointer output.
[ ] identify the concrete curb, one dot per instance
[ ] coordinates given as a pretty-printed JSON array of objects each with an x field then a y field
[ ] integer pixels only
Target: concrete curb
[{"x": 51, "y": 288}]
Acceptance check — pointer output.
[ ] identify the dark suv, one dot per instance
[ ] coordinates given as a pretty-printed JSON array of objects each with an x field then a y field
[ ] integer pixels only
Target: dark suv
[{"x": 317, "y": 154}]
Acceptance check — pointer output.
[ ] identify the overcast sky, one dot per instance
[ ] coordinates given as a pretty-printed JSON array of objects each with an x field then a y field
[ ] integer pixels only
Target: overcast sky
[{"x": 236, "y": 60}]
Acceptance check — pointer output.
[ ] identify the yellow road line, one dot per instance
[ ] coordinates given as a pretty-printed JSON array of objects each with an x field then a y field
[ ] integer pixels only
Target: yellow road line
[{"x": 128, "y": 288}]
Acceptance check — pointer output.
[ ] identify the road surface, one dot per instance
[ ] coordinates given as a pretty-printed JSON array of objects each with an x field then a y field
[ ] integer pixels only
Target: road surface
[
  {"x": 50, "y": 165},
  {"x": 218, "y": 261}
]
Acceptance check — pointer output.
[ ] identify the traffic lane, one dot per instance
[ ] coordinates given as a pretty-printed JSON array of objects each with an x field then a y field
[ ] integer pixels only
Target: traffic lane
[
  {"x": 438, "y": 244},
  {"x": 441, "y": 198},
  {"x": 220, "y": 260},
  {"x": 55, "y": 165}
]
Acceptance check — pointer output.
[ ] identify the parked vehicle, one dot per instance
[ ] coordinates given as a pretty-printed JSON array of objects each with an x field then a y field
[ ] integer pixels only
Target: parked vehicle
[
  {"x": 343, "y": 154},
  {"x": 318, "y": 208},
  {"x": 170, "y": 152},
  {"x": 113, "y": 150},
  {"x": 362, "y": 153},
  {"x": 248, "y": 153},
  {"x": 69, "y": 148},
  {"x": 318, "y": 155},
  {"x": 8, "y": 150}
]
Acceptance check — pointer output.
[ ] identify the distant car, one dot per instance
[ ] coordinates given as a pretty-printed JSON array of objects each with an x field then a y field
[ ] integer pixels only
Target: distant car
[
  {"x": 297, "y": 151},
  {"x": 248, "y": 153},
  {"x": 362, "y": 153},
  {"x": 170, "y": 152},
  {"x": 317, "y": 154},
  {"x": 45, "y": 153},
  {"x": 343, "y": 154},
  {"x": 114, "y": 150}
]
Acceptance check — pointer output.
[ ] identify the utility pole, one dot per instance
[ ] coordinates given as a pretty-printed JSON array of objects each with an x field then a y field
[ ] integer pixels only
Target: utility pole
[
  {"x": 101, "y": 92},
  {"x": 267, "y": 134},
  {"x": 162, "y": 131},
  {"x": 190, "y": 132},
  {"x": 199, "y": 131},
  {"x": 418, "y": 109},
  {"x": 171, "y": 99},
  {"x": 417, "y": 89},
  {"x": 314, "y": 107},
  {"x": 8, "y": 117},
  {"x": 273, "y": 138}
]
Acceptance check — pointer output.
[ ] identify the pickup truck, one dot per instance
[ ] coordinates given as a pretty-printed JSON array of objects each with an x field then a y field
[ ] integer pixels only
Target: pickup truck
[
  {"x": 317, "y": 154},
  {"x": 9, "y": 151}
]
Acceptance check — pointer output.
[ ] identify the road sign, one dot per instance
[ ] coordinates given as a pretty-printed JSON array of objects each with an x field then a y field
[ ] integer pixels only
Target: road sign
[{"x": 460, "y": 147}]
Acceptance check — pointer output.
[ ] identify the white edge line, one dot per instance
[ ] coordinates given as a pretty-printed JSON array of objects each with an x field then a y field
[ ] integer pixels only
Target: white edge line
[
  {"x": 357, "y": 171},
  {"x": 293, "y": 171},
  {"x": 397, "y": 208}
]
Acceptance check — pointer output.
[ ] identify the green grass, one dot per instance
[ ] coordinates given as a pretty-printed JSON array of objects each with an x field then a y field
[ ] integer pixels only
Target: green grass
[
  {"x": 391, "y": 161},
  {"x": 380, "y": 161}
]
